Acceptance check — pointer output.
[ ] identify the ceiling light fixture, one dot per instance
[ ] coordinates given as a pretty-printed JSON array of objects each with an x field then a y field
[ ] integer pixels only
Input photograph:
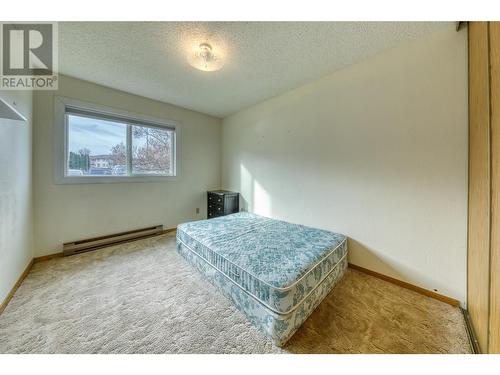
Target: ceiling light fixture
[{"x": 205, "y": 59}]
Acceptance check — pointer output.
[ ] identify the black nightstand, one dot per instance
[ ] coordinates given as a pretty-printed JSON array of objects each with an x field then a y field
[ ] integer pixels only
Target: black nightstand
[{"x": 222, "y": 202}]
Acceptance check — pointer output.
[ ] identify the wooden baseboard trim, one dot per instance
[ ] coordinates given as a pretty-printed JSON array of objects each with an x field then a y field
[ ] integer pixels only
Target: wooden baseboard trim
[
  {"x": 47, "y": 257},
  {"x": 169, "y": 230},
  {"x": 16, "y": 286},
  {"x": 425, "y": 292}
]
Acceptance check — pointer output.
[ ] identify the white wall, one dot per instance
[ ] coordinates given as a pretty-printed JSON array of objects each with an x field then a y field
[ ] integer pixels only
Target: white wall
[
  {"x": 377, "y": 151},
  {"x": 16, "y": 203},
  {"x": 71, "y": 212}
]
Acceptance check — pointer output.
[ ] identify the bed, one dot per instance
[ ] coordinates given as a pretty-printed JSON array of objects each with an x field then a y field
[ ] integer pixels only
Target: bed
[{"x": 275, "y": 272}]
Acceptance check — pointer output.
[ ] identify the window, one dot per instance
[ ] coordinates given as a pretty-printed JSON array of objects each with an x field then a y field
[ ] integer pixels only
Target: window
[{"x": 102, "y": 146}]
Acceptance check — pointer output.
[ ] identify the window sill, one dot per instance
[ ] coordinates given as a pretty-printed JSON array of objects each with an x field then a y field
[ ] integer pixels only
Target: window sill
[{"x": 117, "y": 179}]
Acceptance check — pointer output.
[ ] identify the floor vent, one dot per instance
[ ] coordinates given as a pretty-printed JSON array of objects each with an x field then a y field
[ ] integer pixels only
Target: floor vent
[{"x": 77, "y": 247}]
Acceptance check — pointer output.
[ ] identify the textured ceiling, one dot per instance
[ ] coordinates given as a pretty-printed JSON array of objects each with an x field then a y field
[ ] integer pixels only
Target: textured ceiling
[{"x": 261, "y": 59}]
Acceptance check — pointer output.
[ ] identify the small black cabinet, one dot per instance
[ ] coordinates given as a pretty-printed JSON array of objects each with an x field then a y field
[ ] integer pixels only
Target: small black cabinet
[{"x": 222, "y": 202}]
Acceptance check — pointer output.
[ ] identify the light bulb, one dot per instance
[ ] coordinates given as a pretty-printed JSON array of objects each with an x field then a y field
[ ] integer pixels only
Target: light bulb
[{"x": 205, "y": 59}]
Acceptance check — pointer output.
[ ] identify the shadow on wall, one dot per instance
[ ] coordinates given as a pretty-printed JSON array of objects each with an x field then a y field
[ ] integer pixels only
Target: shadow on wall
[
  {"x": 358, "y": 251},
  {"x": 7, "y": 214},
  {"x": 364, "y": 256}
]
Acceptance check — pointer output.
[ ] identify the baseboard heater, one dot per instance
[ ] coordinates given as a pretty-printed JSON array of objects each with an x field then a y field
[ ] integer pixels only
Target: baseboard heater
[{"x": 77, "y": 247}]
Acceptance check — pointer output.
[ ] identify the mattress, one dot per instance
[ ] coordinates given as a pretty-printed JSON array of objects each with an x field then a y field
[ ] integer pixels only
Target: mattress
[
  {"x": 278, "y": 264},
  {"x": 279, "y": 327}
]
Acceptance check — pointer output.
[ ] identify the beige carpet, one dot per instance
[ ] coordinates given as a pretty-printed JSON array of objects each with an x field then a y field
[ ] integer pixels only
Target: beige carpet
[{"x": 142, "y": 297}]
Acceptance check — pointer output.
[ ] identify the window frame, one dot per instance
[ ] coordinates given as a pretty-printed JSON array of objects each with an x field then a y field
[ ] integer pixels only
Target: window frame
[{"x": 61, "y": 144}]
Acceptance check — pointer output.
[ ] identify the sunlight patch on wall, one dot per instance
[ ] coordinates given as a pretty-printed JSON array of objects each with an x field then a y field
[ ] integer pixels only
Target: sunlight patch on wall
[
  {"x": 246, "y": 189},
  {"x": 261, "y": 200},
  {"x": 253, "y": 195}
]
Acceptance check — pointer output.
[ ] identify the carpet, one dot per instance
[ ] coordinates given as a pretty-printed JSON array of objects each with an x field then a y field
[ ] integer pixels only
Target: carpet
[{"x": 142, "y": 297}]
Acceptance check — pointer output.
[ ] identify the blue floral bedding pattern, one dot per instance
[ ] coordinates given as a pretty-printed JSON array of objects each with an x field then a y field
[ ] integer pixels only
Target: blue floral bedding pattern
[
  {"x": 275, "y": 272},
  {"x": 276, "y": 262},
  {"x": 279, "y": 327}
]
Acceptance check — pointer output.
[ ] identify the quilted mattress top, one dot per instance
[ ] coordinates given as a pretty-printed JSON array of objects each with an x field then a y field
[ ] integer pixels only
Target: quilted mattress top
[{"x": 275, "y": 261}]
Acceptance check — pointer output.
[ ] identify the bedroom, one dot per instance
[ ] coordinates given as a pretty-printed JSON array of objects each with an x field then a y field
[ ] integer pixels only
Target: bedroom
[{"x": 249, "y": 187}]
